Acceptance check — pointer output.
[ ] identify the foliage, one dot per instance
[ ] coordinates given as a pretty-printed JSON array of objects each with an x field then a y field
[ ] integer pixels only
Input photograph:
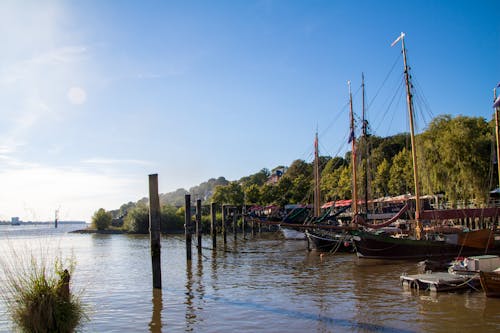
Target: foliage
[
  {"x": 101, "y": 219},
  {"x": 171, "y": 221},
  {"x": 231, "y": 194},
  {"x": 137, "y": 220},
  {"x": 401, "y": 173},
  {"x": 453, "y": 158},
  {"x": 37, "y": 297}
]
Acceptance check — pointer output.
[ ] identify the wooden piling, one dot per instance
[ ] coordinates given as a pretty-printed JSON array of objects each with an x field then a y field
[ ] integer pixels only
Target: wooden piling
[
  {"x": 235, "y": 217},
  {"x": 187, "y": 225},
  {"x": 243, "y": 212},
  {"x": 224, "y": 236},
  {"x": 213, "y": 225},
  {"x": 154, "y": 229},
  {"x": 198, "y": 223}
]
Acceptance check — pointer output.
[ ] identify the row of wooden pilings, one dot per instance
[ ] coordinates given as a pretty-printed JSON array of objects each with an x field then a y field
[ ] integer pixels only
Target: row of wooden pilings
[{"x": 190, "y": 229}]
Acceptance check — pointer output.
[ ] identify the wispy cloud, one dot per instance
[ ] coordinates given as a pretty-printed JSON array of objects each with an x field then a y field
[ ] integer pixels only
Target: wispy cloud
[{"x": 108, "y": 161}]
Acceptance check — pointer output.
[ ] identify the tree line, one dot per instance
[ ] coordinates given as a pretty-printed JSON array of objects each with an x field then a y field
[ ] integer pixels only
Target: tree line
[{"x": 455, "y": 158}]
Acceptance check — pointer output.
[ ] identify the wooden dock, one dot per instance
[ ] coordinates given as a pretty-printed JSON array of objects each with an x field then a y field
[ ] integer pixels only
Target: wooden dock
[{"x": 440, "y": 281}]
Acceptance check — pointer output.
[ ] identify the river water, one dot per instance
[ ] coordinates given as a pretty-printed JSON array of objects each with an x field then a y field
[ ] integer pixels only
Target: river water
[{"x": 258, "y": 284}]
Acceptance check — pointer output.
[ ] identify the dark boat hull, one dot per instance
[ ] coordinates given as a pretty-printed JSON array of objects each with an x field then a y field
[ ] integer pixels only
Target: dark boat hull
[
  {"x": 329, "y": 242},
  {"x": 490, "y": 281},
  {"x": 375, "y": 246}
]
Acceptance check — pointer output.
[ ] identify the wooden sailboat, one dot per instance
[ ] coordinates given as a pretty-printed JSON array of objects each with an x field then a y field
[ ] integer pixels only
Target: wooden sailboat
[
  {"x": 332, "y": 240},
  {"x": 420, "y": 246}
]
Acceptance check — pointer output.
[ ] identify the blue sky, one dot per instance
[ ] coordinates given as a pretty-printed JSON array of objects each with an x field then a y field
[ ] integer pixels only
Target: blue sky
[{"x": 96, "y": 95}]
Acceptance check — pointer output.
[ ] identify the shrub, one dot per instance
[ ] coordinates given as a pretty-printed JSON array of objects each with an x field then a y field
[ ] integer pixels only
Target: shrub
[
  {"x": 39, "y": 299},
  {"x": 137, "y": 219},
  {"x": 101, "y": 219},
  {"x": 170, "y": 220}
]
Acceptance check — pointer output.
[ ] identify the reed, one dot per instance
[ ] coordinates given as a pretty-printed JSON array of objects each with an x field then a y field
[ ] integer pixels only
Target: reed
[{"x": 36, "y": 293}]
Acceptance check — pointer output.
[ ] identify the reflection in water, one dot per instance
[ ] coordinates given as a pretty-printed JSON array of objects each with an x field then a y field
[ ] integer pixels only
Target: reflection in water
[
  {"x": 155, "y": 325},
  {"x": 190, "y": 311},
  {"x": 268, "y": 285}
]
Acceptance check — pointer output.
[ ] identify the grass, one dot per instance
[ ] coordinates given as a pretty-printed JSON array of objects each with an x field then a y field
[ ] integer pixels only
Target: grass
[{"x": 36, "y": 293}]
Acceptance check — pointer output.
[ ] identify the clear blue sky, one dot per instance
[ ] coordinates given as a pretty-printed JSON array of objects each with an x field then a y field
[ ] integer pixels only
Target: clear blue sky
[{"x": 96, "y": 95}]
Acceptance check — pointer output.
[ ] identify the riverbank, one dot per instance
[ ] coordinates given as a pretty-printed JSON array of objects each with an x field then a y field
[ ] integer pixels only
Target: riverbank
[{"x": 95, "y": 231}]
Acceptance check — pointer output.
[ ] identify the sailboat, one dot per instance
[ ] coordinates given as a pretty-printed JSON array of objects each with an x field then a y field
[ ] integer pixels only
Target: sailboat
[
  {"x": 374, "y": 245},
  {"x": 318, "y": 236}
]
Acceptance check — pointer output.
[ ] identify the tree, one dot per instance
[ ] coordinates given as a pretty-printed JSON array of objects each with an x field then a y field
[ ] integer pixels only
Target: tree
[
  {"x": 401, "y": 173},
  {"x": 101, "y": 220},
  {"x": 170, "y": 220},
  {"x": 137, "y": 219},
  {"x": 381, "y": 181},
  {"x": 252, "y": 194},
  {"x": 230, "y": 194}
]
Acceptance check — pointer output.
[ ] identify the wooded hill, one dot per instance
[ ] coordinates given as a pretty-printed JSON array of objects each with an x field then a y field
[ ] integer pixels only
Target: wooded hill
[{"x": 456, "y": 157}]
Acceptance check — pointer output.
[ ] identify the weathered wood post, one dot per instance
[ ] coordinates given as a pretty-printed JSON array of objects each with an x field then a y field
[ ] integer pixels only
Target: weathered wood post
[
  {"x": 187, "y": 225},
  {"x": 243, "y": 212},
  {"x": 235, "y": 217},
  {"x": 198, "y": 223},
  {"x": 154, "y": 229},
  {"x": 224, "y": 236},
  {"x": 213, "y": 225}
]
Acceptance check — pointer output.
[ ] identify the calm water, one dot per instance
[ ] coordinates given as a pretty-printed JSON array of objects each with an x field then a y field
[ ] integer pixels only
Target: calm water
[{"x": 261, "y": 284}]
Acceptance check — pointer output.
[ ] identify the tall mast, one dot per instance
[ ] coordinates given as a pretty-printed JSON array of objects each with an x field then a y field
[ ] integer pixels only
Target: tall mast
[
  {"x": 409, "y": 101},
  {"x": 317, "y": 198},
  {"x": 497, "y": 111},
  {"x": 364, "y": 124},
  {"x": 352, "y": 139}
]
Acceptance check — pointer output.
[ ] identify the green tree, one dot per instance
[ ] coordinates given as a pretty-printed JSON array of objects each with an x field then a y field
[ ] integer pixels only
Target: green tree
[
  {"x": 170, "y": 220},
  {"x": 401, "y": 173},
  {"x": 137, "y": 219},
  {"x": 252, "y": 194},
  {"x": 230, "y": 194},
  {"x": 101, "y": 220},
  {"x": 381, "y": 180}
]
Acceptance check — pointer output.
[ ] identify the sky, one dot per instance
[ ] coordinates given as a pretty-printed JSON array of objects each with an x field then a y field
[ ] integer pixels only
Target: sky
[{"x": 97, "y": 95}]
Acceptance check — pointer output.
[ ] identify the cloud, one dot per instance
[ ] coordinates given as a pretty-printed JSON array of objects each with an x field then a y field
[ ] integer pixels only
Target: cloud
[
  {"x": 107, "y": 161},
  {"x": 34, "y": 193}
]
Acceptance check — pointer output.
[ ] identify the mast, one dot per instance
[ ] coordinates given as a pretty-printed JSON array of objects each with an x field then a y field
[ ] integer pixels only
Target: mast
[
  {"x": 317, "y": 198},
  {"x": 497, "y": 134},
  {"x": 352, "y": 140},
  {"x": 409, "y": 101},
  {"x": 364, "y": 125}
]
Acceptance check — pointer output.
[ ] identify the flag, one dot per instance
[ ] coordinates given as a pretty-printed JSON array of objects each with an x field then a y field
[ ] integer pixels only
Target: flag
[
  {"x": 351, "y": 136},
  {"x": 497, "y": 103}
]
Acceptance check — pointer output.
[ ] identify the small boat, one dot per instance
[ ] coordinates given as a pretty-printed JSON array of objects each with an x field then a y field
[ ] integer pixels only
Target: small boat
[
  {"x": 329, "y": 241},
  {"x": 490, "y": 281},
  {"x": 289, "y": 233}
]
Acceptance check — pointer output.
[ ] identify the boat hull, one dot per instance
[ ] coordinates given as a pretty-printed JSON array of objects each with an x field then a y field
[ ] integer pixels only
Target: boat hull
[
  {"x": 490, "y": 281},
  {"x": 289, "y": 233},
  {"x": 373, "y": 246},
  {"x": 329, "y": 242}
]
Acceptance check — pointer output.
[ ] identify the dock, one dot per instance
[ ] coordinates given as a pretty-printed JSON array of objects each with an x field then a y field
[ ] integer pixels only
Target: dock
[{"x": 440, "y": 281}]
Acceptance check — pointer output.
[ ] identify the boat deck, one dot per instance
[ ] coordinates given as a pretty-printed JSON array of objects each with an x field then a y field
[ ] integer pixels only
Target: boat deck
[{"x": 440, "y": 281}]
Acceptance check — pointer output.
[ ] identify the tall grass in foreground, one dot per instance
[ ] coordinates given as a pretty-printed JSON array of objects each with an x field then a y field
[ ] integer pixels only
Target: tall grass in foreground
[{"x": 35, "y": 290}]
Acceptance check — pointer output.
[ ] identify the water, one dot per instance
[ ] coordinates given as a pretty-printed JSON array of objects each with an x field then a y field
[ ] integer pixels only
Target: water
[{"x": 262, "y": 284}]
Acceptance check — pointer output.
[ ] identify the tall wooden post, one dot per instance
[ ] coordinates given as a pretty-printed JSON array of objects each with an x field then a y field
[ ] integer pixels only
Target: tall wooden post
[
  {"x": 187, "y": 225},
  {"x": 213, "y": 225},
  {"x": 224, "y": 236},
  {"x": 243, "y": 212},
  {"x": 154, "y": 229},
  {"x": 198, "y": 223},
  {"x": 235, "y": 216}
]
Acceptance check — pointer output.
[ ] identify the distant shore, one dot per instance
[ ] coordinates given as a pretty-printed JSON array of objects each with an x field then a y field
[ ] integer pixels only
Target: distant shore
[
  {"x": 41, "y": 222},
  {"x": 95, "y": 231}
]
